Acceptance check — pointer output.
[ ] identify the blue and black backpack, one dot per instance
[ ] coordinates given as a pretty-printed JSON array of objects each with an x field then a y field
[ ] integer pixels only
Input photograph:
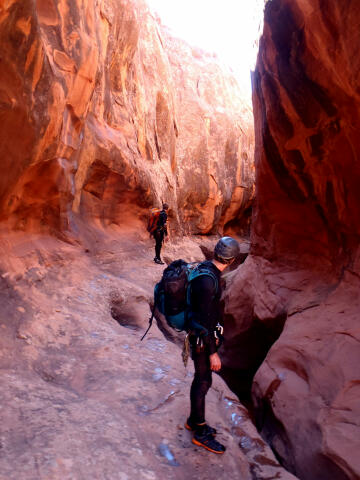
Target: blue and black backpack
[{"x": 172, "y": 295}]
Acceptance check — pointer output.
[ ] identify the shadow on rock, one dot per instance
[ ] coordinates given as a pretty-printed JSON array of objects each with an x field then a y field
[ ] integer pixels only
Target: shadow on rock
[{"x": 124, "y": 314}]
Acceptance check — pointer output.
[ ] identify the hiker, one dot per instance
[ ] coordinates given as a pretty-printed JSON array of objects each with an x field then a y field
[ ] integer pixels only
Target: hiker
[
  {"x": 160, "y": 232},
  {"x": 205, "y": 310},
  {"x": 187, "y": 299}
]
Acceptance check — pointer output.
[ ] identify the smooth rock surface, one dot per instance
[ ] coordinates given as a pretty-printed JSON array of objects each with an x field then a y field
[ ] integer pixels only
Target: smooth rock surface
[{"x": 81, "y": 396}]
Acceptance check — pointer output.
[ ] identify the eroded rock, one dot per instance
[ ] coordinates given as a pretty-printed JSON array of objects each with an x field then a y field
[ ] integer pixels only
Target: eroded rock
[
  {"x": 115, "y": 116},
  {"x": 301, "y": 280}
]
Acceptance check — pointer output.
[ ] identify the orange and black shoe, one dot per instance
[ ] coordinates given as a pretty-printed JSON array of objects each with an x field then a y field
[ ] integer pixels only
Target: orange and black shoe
[
  {"x": 204, "y": 428},
  {"x": 208, "y": 441}
]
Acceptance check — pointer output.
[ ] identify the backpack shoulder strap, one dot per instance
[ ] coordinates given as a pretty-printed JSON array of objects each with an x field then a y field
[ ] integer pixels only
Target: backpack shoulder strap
[
  {"x": 195, "y": 273},
  {"x": 157, "y": 299}
]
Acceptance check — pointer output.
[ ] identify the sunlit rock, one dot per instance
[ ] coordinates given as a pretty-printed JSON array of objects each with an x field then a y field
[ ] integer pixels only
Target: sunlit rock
[{"x": 105, "y": 114}]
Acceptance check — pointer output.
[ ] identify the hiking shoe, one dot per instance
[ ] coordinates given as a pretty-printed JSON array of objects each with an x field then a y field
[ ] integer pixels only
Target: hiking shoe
[
  {"x": 159, "y": 261},
  {"x": 204, "y": 428},
  {"x": 208, "y": 441}
]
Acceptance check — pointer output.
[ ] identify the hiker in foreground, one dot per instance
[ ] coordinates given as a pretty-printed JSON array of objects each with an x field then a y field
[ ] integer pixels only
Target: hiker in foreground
[
  {"x": 205, "y": 296},
  {"x": 187, "y": 299},
  {"x": 158, "y": 229}
]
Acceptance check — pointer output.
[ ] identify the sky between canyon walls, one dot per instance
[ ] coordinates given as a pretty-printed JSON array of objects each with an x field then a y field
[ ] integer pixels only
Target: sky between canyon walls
[{"x": 229, "y": 28}]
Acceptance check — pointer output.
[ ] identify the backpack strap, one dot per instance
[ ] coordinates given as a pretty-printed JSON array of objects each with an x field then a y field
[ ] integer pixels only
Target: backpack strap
[
  {"x": 150, "y": 322},
  {"x": 156, "y": 301},
  {"x": 199, "y": 273},
  {"x": 196, "y": 273}
]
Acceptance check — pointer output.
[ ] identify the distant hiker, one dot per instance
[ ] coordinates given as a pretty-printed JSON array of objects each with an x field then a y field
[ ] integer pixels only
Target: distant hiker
[
  {"x": 205, "y": 310},
  {"x": 158, "y": 229}
]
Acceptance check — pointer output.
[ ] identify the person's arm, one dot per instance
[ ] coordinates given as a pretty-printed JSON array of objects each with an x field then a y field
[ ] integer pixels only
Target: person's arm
[
  {"x": 204, "y": 311},
  {"x": 161, "y": 223}
]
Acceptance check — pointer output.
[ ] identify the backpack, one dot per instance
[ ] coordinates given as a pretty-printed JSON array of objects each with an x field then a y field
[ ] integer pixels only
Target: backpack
[
  {"x": 153, "y": 220},
  {"x": 172, "y": 295}
]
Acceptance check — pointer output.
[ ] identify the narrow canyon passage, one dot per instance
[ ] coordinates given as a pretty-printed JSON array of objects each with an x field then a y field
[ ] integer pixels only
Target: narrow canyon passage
[{"x": 105, "y": 114}]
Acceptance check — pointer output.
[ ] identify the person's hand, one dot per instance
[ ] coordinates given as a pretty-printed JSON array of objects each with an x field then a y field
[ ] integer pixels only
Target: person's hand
[{"x": 215, "y": 362}]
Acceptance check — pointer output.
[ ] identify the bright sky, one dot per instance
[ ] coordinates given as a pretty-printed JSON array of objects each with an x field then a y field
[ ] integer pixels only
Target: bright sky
[{"x": 229, "y": 28}]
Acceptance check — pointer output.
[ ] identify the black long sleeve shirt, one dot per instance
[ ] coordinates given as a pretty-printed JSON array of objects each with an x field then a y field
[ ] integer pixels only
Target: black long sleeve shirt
[
  {"x": 205, "y": 304},
  {"x": 161, "y": 223}
]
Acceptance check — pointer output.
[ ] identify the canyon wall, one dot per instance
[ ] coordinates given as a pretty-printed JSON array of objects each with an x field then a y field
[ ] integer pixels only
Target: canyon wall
[
  {"x": 104, "y": 114},
  {"x": 301, "y": 283}
]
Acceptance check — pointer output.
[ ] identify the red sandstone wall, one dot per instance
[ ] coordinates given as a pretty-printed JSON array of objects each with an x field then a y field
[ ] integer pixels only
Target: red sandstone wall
[
  {"x": 101, "y": 117},
  {"x": 303, "y": 274},
  {"x": 103, "y": 114}
]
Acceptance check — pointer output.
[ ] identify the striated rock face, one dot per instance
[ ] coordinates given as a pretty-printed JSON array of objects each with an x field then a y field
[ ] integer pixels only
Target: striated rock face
[
  {"x": 104, "y": 114},
  {"x": 214, "y": 152},
  {"x": 302, "y": 278}
]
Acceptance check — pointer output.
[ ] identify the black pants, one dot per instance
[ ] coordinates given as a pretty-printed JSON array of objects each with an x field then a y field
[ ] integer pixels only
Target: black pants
[
  {"x": 159, "y": 238},
  {"x": 200, "y": 385}
]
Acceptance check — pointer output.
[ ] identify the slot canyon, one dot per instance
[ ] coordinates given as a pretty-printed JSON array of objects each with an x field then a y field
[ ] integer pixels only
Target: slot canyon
[{"x": 105, "y": 114}]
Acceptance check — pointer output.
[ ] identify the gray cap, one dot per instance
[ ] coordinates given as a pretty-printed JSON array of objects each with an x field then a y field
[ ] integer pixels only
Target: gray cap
[{"x": 227, "y": 248}]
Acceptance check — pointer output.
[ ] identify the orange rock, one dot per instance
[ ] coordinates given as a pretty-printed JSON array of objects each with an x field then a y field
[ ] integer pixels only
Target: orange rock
[
  {"x": 302, "y": 280},
  {"x": 116, "y": 115}
]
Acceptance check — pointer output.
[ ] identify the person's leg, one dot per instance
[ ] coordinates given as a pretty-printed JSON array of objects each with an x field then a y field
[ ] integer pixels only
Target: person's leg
[
  {"x": 157, "y": 247},
  {"x": 158, "y": 239},
  {"x": 204, "y": 435},
  {"x": 199, "y": 387}
]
